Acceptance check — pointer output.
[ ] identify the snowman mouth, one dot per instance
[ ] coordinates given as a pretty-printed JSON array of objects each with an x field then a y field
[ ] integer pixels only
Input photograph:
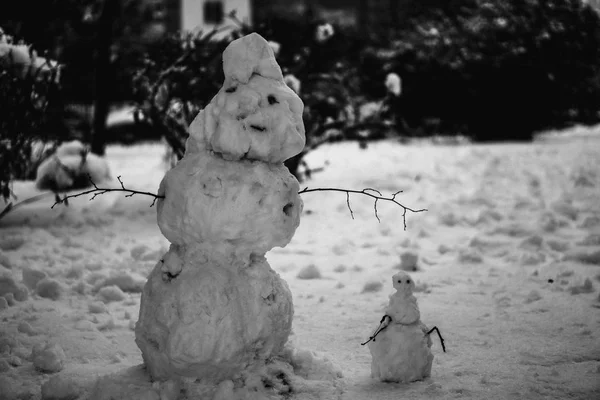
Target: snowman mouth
[{"x": 258, "y": 127}]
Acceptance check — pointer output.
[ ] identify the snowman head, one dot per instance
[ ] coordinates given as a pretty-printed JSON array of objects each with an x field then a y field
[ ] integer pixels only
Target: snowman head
[
  {"x": 255, "y": 115},
  {"x": 403, "y": 283}
]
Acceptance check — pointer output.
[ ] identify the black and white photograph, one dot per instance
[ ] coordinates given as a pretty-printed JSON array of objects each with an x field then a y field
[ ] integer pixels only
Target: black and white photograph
[{"x": 299, "y": 199}]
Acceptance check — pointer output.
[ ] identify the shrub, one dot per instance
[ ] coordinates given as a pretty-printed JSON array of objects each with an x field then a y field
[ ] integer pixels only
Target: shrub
[
  {"x": 498, "y": 69},
  {"x": 320, "y": 62},
  {"x": 31, "y": 110}
]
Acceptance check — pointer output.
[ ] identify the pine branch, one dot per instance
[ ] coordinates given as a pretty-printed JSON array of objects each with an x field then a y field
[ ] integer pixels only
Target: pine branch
[
  {"x": 367, "y": 192},
  {"x": 97, "y": 191}
]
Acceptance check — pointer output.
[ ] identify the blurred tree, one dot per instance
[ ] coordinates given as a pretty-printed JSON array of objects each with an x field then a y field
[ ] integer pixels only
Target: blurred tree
[{"x": 498, "y": 69}]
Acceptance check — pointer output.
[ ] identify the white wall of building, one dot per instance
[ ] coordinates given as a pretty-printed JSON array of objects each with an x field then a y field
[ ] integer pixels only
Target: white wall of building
[{"x": 192, "y": 14}]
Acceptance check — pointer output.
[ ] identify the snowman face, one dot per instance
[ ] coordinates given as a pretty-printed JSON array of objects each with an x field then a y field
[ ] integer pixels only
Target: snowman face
[
  {"x": 261, "y": 119},
  {"x": 403, "y": 283}
]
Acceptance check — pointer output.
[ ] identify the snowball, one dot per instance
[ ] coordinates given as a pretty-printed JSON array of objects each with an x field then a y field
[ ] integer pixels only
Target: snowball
[
  {"x": 32, "y": 276},
  {"x": 48, "y": 358},
  {"x": 233, "y": 207},
  {"x": 60, "y": 387},
  {"x": 111, "y": 293},
  {"x": 223, "y": 321},
  {"x": 49, "y": 288},
  {"x": 309, "y": 272}
]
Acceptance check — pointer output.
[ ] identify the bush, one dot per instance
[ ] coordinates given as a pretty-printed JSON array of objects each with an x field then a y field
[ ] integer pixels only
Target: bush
[
  {"x": 31, "y": 110},
  {"x": 498, "y": 69},
  {"x": 320, "y": 62}
]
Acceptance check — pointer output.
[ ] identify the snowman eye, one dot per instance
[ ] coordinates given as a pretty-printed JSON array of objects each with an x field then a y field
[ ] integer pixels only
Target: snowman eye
[
  {"x": 399, "y": 280},
  {"x": 272, "y": 99},
  {"x": 231, "y": 89},
  {"x": 408, "y": 281}
]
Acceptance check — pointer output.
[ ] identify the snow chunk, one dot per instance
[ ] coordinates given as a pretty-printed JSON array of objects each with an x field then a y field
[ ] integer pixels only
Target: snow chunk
[
  {"x": 309, "y": 272},
  {"x": 48, "y": 358},
  {"x": 4, "y": 365},
  {"x": 11, "y": 243},
  {"x": 97, "y": 307},
  {"x": 5, "y": 261},
  {"x": 372, "y": 287},
  {"x": 71, "y": 167},
  {"x": 8, "y": 285},
  {"x": 60, "y": 387},
  {"x": 123, "y": 281},
  {"x": 32, "y": 276},
  {"x": 408, "y": 262},
  {"x": 587, "y": 287},
  {"x": 24, "y": 327},
  {"x": 49, "y": 289},
  {"x": 111, "y": 293},
  {"x": 584, "y": 257}
]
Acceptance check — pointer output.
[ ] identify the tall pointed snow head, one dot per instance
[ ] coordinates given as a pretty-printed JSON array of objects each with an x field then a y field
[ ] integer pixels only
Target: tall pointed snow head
[{"x": 255, "y": 115}]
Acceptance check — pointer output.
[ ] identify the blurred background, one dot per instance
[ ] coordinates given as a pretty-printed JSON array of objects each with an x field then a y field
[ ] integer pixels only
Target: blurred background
[{"x": 125, "y": 71}]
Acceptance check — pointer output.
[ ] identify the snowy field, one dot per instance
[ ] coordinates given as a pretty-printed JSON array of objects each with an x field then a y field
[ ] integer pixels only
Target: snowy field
[{"x": 508, "y": 269}]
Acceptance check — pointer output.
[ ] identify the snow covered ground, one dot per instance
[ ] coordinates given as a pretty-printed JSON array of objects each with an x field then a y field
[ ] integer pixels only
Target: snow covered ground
[{"x": 508, "y": 270}]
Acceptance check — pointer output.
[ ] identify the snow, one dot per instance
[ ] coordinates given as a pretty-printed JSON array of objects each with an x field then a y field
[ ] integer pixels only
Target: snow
[{"x": 512, "y": 329}]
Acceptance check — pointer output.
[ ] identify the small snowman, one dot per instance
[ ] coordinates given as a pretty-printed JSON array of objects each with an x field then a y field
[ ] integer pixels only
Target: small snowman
[{"x": 401, "y": 346}]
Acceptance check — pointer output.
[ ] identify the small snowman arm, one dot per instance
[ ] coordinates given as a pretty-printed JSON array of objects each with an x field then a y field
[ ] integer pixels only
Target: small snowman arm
[
  {"x": 380, "y": 328},
  {"x": 435, "y": 328}
]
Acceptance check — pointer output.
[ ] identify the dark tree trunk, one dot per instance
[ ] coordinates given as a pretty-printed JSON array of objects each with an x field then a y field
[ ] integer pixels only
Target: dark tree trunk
[{"x": 103, "y": 80}]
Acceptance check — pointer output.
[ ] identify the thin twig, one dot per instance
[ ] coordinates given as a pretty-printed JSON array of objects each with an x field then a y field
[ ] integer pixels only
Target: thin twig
[
  {"x": 435, "y": 328},
  {"x": 98, "y": 191},
  {"x": 366, "y": 191}
]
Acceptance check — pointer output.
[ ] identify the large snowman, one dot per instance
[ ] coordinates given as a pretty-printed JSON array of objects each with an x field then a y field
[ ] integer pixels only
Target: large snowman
[{"x": 213, "y": 306}]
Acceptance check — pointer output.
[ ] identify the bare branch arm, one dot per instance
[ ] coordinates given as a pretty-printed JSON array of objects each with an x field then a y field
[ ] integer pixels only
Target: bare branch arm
[
  {"x": 96, "y": 191},
  {"x": 368, "y": 192}
]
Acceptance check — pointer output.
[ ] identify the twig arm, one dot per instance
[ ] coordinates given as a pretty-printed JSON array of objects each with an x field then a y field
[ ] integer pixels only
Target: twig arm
[
  {"x": 373, "y": 193},
  {"x": 97, "y": 191}
]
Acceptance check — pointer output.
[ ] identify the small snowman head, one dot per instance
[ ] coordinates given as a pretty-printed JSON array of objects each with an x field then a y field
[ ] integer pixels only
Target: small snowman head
[{"x": 403, "y": 283}]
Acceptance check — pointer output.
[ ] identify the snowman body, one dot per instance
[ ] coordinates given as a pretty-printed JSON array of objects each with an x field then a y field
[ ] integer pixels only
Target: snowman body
[{"x": 402, "y": 351}]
